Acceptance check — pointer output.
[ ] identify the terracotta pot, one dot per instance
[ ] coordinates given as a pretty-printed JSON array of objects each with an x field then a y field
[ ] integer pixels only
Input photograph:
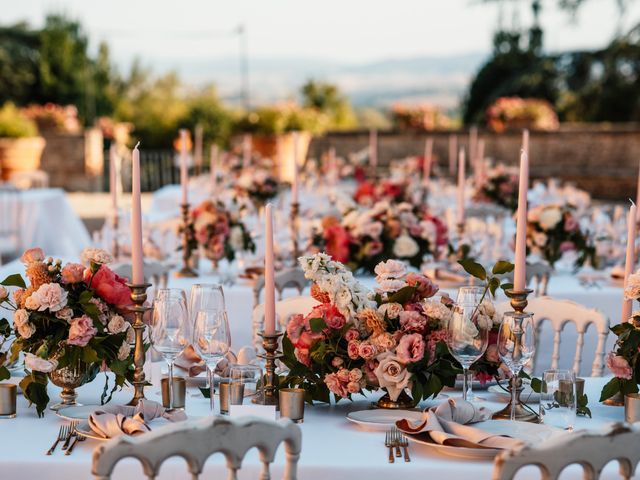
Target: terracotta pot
[{"x": 20, "y": 155}]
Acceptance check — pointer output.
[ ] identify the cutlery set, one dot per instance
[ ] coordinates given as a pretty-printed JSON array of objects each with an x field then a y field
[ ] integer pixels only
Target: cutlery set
[
  {"x": 70, "y": 438},
  {"x": 393, "y": 440}
]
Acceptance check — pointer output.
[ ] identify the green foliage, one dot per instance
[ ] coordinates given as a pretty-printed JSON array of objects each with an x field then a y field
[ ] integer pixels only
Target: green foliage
[
  {"x": 13, "y": 124},
  {"x": 275, "y": 120},
  {"x": 327, "y": 98}
]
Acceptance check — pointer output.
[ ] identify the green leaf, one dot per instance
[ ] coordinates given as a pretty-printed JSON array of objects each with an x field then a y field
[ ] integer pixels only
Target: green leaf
[
  {"x": 5, "y": 374},
  {"x": 36, "y": 393},
  {"x": 89, "y": 355},
  {"x": 506, "y": 286},
  {"x": 473, "y": 268},
  {"x": 403, "y": 295},
  {"x": 14, "y": 280},
  {"x": 536, "y": 385},
  {"x": 610, "y": 389},
  {"x": 317, "y": 325},
  {"x": 502, "y": 267},
  {"x": 494, "y": 283}
]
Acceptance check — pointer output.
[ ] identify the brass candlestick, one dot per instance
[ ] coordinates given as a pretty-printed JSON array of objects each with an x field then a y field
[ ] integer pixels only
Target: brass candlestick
[
  {"x": 518, "y": 302},
  {"x": 294, "y": 223},
  {"x": 269, "y": 395},
  {"x": 186, "y": 270},
  {"x": 139, "y": 296}
]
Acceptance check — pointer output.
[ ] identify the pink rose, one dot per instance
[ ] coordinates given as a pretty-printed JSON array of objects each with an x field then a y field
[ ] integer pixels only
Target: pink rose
[
  {"x": 353, "y": 350},
  {"x": 353, "y": 387},
  {"x": 302, "y": 355},
  {"x": 411, "y": 348},
  {"x": 355, "y": 375},
  {"x": 411, "y": 321},
  {"x": 483, "y": 377},
  {"x": 72, "y": 273},
  {"x": 370, "y": 372},
  {"x": 81, "y": 330},
  {"x": 295, "y": 326},
  {"x": 619, "y": 366},
  {"x": 109, "y": 286},
  {"x": 425, "y": 288},
  {"x": 337, "y": 362},
  {"x": 331, "y": 315},
  {"x": 334, "y": 385},
  {"x": 492, "y": 354},
  {"x": 308, "y": 339},
  {"x": 433, "y": 340},
  {"x": 567, "y": 246},
  {"x": 32, "y": 255},
  {"x": 343, "y": 375},
  {"x": 366, "y": 350},
  {"x": 49, "y": 296},
  {"x": 351, "y": 335}
]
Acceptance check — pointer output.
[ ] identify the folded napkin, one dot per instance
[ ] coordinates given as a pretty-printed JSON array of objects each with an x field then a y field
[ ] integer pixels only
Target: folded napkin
[
  {"x": 114, "y": 420},
  {"x": 446, "y": 425},
  {"x": 190, "y": 362},
  {"x": 444, "y": 275}
]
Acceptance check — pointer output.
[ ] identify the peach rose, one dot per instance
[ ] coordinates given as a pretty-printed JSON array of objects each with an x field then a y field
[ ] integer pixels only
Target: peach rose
[
  {"x": 81, "y": 331},
  {"x": 72, "y": 273},
  {"x": 366, "y": 350},
  {"x": 353, "y": 349},
  {"x": 26, "y": 330},
  {"x": 355, "y": 375},
  {"x": 392, "y": 374},
  {"x": 351, "y": 335},
  {"x": 32, "y": 255},
  {"x": 343, "y": 375},
  {"x": 353, "y": 387}
]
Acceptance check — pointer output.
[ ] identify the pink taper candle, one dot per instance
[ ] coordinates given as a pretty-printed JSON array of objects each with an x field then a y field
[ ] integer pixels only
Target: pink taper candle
[
  {"x": 453, "y": 150},
  {"x": 638, "y": 191},
  {"x": 373, "y": 148},
  {"x": 461, "y": 181},
  {"x": 519, "y": 275},
  {"x": 246, "y": 150},
  {"x": 428, "y": 160},
  {"x": 294, "y": 183},
  {"x": 269, "y": 275},
  {"x": 629, "y": 263},
  {"x": 525, "y": 141},
  {"x": 137, "y": 264},
  {"x": 113, "y": 189},
  {"x": 213, "y": 165},
  {"x": 184, "y": 172}
]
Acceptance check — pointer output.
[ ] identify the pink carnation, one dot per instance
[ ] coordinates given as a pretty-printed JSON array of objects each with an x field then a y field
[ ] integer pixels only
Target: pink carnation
[
  {"x": 411, "y": 348},
  {"x": 81, "y": 330},
  {"x": 425, "y": 288},
  {"x": 72, "y": 273},
  {"x": 109, "y": 286},
  {"x": 411, "y": 321},
  {"x": 619, "y": 366},
  {"x": 334, "y": 385}
]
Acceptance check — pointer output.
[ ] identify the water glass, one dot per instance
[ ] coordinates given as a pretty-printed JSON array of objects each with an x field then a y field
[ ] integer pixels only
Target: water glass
[
  {"x": 249, "y": 376},
  {"x": 558, "y": 399}
]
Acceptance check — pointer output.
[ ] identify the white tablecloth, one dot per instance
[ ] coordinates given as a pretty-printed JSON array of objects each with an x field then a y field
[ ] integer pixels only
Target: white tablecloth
[
  {"x": 48, "y": 221},
  {"x": 332, "y": 448}
]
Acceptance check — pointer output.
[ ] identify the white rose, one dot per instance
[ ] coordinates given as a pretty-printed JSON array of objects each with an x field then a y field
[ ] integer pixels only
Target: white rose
[
  {"x": 436, "y": 310},
  {"x": 27, "y": 330},
  {"x": 124, "y": 351},
  {"x": 4, "y": 293},
  {"x": 236, "y": 238},
  {"x": 117, "y": 324},
  {"x": 37, "y": 364},
  {"x": 405, "y": 247},
  {"x": 392, "y": 374},
  {"x": 550, "y": 217},
  {"x": 20, "y": 317}
]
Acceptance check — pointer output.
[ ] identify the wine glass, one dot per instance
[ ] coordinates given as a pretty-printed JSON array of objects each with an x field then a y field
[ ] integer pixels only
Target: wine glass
[
  {"x": 212, "y": 340},
  {"x": 170, "y": 332},
  {"x": 467, "y": 339},
  {"x": 516, "y": 345}
]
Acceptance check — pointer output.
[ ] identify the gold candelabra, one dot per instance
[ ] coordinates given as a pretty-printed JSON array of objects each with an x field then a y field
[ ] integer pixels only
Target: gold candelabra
[
  {"x": 186, "y": 270},
  {"x": 294, "y": 223},
  {"x": 518, "y": 302},
  {"x": 269, "y": 394},
  {"x": 139, "y": 297}
]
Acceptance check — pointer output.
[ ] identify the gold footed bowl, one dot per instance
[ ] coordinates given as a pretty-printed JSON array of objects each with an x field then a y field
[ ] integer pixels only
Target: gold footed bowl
[
  {"x": 403, "y": 402},
  {"x": 69, "y": 378}
]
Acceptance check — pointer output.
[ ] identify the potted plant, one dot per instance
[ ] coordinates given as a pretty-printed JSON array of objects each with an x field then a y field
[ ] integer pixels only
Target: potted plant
[{"x": 20, "y": 146}]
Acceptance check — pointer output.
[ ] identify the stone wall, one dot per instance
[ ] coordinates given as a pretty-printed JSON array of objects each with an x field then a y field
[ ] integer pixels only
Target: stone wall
[
  {"x": 602, "y": 160},
  {"x": 74, "y": 161}
]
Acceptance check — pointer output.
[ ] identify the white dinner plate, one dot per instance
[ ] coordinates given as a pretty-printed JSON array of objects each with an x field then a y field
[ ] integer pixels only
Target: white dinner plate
[
  {"x": 77, "y": 412},
  {"x": 525, "y": 431},
  {"x": 382, "y": 419},
  {"x": 84, "y": 429}
]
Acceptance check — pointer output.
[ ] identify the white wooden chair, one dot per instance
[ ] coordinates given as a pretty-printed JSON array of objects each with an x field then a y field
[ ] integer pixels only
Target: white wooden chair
[
  {"x": 197, "y": 440},
  {"x": 590, "y": 449},
  {"x": 559, "y": 313},
  {"x": 538, "y": 275},
  {"x": 291, "y": 277},
  {"x": 285, "y": 309}
]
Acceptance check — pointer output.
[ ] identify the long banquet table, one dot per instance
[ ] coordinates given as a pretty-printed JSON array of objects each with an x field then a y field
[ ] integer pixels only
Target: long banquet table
[{"x": 333, "y": 448}]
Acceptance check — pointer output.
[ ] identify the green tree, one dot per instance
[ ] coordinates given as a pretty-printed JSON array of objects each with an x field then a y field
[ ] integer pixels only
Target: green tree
[{"x": 327, "y": 98}]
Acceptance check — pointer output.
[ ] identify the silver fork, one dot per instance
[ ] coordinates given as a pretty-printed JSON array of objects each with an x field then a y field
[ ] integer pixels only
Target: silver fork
[
  {"x": 395, "y": 438},
  {"x": 388, "y": 442},
  {"x": 71, "y": 435},
  {"x": 62, "y": 434},
  {"x": 79, "y": 438},
  {"x": 404, "y": 443}
]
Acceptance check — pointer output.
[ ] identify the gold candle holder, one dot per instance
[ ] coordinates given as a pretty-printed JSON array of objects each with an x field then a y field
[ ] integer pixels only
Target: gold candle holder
[
  {"x": 518, "y": 302},
  {"x": 186, "y": 271},
  {"x": 139, "y": 297},
  {"x": 269, "y": 394},
  {"x": 294, "y": 223}
]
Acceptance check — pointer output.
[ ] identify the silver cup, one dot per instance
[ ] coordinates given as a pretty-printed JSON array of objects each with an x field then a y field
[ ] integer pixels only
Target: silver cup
[
  {"x": 8, "y": 393},
  {"x": 292, "y": 403},
  {"x": 179, "y": 392},
  {"x": 579, "y": 387},
  {"x": 231, "y": 393},
  {"x": 632, "y": 407}
]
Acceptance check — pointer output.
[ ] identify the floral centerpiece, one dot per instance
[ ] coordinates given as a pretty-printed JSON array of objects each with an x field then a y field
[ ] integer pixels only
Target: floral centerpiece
[
  {"x": 624, "y": 360},
  {"x": 218, "y": 232},
  {"x": 365, "y": 237},
  {"x": 511, "y": 113},
  {"x": 69, "y": 317},
  {"x": 553, "y": 230},
  {"x": 355, "y": 341},
  {"x": 368, "y": 192},
  {"x": 259, "y": 185},
  {"x": 500, "y": 186}
]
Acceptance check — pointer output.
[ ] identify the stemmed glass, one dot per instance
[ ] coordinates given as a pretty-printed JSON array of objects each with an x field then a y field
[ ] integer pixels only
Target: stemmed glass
[
  {"x": 212, "y": 340},
  {"x": 170, "y": 332},
  {"x": 468, "y": 338},
  {"x": 516, "y": 345}
]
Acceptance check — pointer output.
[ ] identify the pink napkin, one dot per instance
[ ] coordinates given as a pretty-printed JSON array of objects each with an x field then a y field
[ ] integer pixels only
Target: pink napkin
[
  {"x": 190, "y": 362},
  {"x": 115, "y": 420},
  {"x": 446, "y": 425}
]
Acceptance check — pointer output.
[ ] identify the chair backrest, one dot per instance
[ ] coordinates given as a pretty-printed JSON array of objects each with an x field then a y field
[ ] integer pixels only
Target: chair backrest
[
  {"x": 197, "y": 440},
  {"x": 538, "y": 272},
  {"x": 591, "y": 449},
  {"x": 285, "y": 309},
  {"x": 30, "y": 179},
  {"x": 290, "y": 277},
  {"x": 11, "y": 208},
  {"x": 560, "y": 312},
  {"x": 156, "y": 272}
]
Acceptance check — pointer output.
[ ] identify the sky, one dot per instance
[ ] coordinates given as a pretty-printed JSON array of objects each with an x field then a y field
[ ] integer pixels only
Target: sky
[{"x": 290, "y": 41}]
